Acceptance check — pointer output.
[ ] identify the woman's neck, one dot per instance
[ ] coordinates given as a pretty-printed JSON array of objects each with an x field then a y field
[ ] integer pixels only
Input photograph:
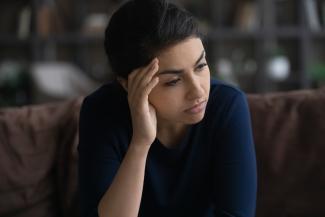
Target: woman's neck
[{"x": 171, "y": 135}]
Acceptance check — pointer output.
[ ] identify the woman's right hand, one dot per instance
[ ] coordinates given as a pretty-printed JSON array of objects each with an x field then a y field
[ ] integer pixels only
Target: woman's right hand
[{"x": 140, "y": 83}]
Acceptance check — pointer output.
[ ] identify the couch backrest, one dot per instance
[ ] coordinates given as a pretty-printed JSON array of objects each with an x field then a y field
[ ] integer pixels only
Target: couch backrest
[
  {"x": 38, "y": 156},
  {"x": 289, "y": 135}
]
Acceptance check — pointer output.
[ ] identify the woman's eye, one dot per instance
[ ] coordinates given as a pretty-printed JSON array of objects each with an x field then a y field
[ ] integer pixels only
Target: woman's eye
[
  {"x": 173, "y": 82},
  {"x": 201, "y": 66}
]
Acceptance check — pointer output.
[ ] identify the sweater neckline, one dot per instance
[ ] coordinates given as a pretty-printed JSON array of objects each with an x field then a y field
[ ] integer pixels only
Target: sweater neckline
[{"x": 177, "y": 148}]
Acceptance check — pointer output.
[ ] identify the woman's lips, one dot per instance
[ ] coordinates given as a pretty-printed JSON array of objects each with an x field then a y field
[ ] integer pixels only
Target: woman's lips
[{"x": 197, "y": 108}]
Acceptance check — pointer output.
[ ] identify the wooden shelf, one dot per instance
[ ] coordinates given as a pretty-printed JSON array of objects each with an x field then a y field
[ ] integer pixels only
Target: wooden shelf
[
  {"x": 73, "y": 38},
  {"x": 318, "y": 34},
  {"x": 6, "y": 39},
  {"x": 233, "y": 33}
]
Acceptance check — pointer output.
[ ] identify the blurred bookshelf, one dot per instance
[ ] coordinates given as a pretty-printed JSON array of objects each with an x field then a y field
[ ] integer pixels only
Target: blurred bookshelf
[
  {"x": 50, "y": 31},
  {"x": 258, "y": 45},
  {"x": 265, "y": 45}
]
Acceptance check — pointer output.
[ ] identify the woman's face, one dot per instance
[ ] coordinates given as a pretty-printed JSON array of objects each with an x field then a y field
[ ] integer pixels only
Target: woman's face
[{"x": 181, "y": 95}]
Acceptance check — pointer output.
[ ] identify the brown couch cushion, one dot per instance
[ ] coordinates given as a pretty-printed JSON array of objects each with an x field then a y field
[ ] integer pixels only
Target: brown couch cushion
[
  {"x": 29, "y": 138},
  {"x": 67, "y": 162},
  {"x": 289, "y": 133}
]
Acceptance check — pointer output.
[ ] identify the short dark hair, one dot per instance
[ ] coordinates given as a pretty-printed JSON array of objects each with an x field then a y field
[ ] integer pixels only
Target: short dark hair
[{"x": 139, "y": 29}]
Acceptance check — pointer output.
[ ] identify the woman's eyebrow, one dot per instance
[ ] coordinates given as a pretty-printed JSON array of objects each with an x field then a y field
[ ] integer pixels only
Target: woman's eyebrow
[
  {"x": 179, "y": 71},
  {"x": 200, "y": 58}
]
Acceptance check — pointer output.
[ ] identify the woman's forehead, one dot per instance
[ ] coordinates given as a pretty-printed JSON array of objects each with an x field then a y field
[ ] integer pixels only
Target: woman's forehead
[{"x": 181, "y": 54}]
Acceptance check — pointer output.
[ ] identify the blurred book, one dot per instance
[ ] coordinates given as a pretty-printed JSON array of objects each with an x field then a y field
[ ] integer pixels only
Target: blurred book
[
  {"x": 246, "y": 17},
  {"x": 56, "y": 17},
  {"x": 24, "y": 23},
  {"x": 286, "y": 13},
  {"x": 322, "y": 13},
  {"x": 48, "y": 19},
  {"x": 313, "y": 17}
]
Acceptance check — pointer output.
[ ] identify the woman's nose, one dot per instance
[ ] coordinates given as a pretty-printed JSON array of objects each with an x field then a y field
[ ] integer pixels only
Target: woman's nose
[{"x": 195, "y": 90}]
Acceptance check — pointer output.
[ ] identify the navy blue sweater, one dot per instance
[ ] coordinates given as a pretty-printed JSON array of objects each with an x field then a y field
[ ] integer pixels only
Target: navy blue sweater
[{"x": 212, "y": 172}]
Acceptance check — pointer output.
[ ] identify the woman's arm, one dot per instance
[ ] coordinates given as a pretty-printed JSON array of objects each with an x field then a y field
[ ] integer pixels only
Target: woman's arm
[
  {"x": 236, "y": 175},
  {"x": 123, "y": 197}
]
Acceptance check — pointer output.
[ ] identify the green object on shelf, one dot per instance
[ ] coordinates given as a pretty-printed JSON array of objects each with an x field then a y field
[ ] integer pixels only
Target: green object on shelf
[
  {"x": 318, "y": 71},
  {"x": 14, "y": 84}
]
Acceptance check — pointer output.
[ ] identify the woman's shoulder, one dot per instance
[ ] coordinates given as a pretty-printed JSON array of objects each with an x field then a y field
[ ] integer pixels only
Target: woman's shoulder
[
  {"x": 110, "y": 98},
  {"x": 218, "y": 88},
  {"x": 224, "y": 100},
  {"x": 109, "y": 94},
  {"x": 223, "y": 93},
  {"x": 111, "y": 90}
]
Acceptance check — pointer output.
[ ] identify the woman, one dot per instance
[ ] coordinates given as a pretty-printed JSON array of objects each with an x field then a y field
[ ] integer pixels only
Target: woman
[{"x": 163, "y": 139}]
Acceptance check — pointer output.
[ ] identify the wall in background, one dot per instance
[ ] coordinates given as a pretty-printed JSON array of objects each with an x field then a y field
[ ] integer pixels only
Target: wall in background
[{"x": 258, "y": 45}]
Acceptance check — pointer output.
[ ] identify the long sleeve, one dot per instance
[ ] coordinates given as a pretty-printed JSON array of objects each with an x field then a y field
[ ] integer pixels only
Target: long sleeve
[
  {"x": 236, "y": 173},
  {"x": 98, "y": 157}
]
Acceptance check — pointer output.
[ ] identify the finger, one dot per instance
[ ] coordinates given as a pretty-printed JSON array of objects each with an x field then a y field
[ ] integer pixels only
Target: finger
[
  {"x": 146, "y": 85},
  {"x": 151, "y": 85},
  {"x": 136, "y": 84},
  {"x": 131, "y": 77},
  {"x": 138, "y": 76},
  {"x": 136, "y": 73},
  {"x": 142, "y": 73},
  {"x": 150, "y": 74}
]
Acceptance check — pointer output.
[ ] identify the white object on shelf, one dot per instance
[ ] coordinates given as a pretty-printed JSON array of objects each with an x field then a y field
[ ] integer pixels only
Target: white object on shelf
[
  {"x": 60, "y": 80},
  {"x": 278, "y": 68}
]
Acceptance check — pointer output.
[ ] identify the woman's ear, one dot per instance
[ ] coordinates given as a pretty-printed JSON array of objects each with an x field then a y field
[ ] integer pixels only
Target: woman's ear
[{"x": 123, "y": 82}]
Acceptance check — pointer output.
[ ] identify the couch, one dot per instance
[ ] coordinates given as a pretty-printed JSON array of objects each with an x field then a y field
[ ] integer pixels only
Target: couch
[{"x": 38, "y": 157}]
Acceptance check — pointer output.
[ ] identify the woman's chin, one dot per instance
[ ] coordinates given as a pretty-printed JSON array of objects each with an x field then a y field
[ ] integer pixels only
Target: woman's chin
[{"x": 194, "y": 119}]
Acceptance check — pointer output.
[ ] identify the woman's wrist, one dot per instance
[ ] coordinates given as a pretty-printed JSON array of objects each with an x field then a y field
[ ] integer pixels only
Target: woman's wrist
[{"x": 139, "y": 147}]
